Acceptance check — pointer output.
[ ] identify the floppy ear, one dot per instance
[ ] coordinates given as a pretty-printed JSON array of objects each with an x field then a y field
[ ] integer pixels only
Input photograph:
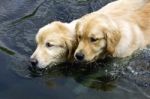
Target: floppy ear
[
  {"x": 113, "y": 36},
  {"x": 112, "y": 33},
  {"x": 71, "y": 40},
  {"x": 71, "y": 47}
]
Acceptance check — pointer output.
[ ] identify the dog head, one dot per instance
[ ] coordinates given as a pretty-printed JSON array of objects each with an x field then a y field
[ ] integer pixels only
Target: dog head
[
  {"x": 55, "y": 44},
  {"x": 97, "y": 35}
]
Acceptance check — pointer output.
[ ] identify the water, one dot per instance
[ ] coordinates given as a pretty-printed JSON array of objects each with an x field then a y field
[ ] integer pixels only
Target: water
[{"x": 20, "y": 20}]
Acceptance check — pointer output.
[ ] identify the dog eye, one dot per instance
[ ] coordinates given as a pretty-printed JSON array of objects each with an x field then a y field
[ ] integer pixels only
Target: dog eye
[
  {"x": 93, "y": 39},
  {"x": 48, "y": 44},
  {"x": 79, "y": 37}
]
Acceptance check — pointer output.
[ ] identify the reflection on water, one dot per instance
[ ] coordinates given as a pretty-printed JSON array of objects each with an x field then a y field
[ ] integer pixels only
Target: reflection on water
[{"x": 127, "y": 78}]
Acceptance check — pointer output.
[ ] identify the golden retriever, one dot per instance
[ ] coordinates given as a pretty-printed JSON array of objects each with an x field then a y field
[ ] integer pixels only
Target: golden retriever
[
  {"x": 118, "y": 29},
  {"x": 56, "y": 43}
]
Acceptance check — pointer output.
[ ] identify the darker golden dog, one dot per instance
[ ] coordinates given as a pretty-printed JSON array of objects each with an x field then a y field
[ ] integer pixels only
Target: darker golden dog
[{"x": 118, "y": 29}]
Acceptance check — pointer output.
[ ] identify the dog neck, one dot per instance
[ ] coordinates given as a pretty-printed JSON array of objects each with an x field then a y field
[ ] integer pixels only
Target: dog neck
[{"x": 131, "y": 39}]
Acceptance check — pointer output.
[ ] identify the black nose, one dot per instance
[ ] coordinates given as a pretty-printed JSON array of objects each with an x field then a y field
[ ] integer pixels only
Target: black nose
[
  {"x": 34, "y": 62},
  {"x": 79, "y": 56}
]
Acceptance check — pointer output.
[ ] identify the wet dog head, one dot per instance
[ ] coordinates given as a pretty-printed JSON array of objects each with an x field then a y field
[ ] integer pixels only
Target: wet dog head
[
  {"x": 55, "y": 44},
  {"x": 97, "y": 35}
]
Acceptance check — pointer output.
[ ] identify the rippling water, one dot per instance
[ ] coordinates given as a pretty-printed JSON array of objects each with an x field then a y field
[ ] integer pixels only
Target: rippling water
[{"x": 127, "y": 78}]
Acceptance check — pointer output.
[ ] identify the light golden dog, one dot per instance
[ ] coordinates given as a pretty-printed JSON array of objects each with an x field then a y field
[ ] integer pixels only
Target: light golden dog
[
  {"x": 56, "y": 43},
  {"x": 118, "y": 29}
]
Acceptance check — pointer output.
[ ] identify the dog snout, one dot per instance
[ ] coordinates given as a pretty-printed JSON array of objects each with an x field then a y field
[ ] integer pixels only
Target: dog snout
[
  {"x": 34, "y": 62},
  {"x": 79, "y": 56}
]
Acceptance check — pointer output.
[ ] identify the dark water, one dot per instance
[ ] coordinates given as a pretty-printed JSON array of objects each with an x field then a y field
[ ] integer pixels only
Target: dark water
[{"x": 109, "y": 79}]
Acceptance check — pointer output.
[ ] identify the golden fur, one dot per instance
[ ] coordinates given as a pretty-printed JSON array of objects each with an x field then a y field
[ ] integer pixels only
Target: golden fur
[
  {"x": 56, "y": 43},
  {"x": 118, "y": 29}
]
